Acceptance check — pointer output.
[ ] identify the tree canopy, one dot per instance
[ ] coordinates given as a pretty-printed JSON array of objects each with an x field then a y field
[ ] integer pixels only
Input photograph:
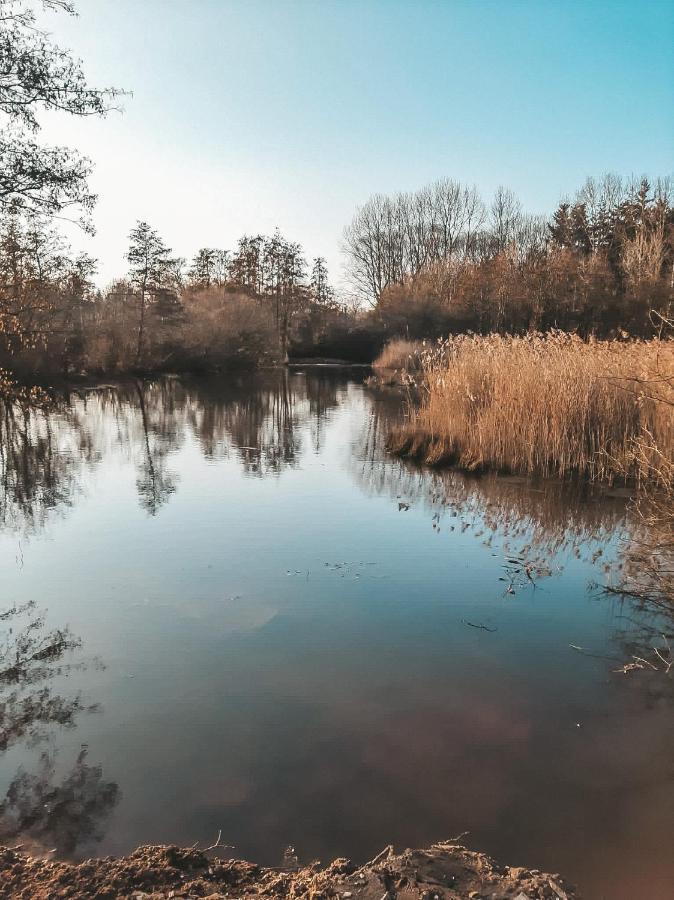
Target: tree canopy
[{"x": 37, "y": 75}]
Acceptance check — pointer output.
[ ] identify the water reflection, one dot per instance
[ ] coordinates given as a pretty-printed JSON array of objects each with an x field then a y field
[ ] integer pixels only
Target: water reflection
[
  {"x": 155, "y": 482},
  {"x": 36, "y": 475},
  {"x": 536, "y": 518},
  {"x": 287, "y": 612},
  {"x": 261, "y": 421},
  {"x": 31, "y": 657},
  {"x": 45, "y": 452},
  {"x": 259, "y": 426},
  {"x": 38, "y": 808},
  {"x": 535, "y": 525},
  {"x": 269, "y": 424},
  {"x": 63, "y": 815}
]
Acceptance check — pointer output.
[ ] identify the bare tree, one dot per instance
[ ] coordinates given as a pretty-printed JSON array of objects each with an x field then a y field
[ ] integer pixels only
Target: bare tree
[
  {"x": 393, "y": 238},
  {"x": 364, "y": 247},
  {"x": 505, "y": 218},
  {"x": 42, "y": 287}
]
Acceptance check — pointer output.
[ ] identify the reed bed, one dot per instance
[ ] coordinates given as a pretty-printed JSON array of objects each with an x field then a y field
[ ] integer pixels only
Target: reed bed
[
  {"x": 401, "y": 356},
  {"x": 552, "y": 405}
]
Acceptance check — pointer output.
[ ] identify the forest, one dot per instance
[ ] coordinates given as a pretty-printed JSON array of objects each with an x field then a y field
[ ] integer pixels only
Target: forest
[{"x": 437, "y": 262}]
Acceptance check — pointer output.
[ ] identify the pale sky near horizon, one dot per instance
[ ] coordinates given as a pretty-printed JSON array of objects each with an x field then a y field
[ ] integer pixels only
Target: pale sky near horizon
[{"x": 252, "y": 114}]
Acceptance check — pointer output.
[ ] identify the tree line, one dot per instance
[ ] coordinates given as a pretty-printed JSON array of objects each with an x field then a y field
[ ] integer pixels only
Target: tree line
[
  {"x": 422, "y": 265},
  {"x": 221, "y": 308},
  {"x": 441, "y": 259}
]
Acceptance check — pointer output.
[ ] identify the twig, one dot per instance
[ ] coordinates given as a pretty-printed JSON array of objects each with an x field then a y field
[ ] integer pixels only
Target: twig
[
  {"x": 385, "y": 853},
  {"x": 593, "y": 655},
  {"x": 668, "y": 664},
  {"x": 473, "y": 625},
  {"x": 453, "y": 840},
  {"x": 646, "y": 663},
  {"x": 629, "y": 667},
  {"x": 218, "y": 844}
]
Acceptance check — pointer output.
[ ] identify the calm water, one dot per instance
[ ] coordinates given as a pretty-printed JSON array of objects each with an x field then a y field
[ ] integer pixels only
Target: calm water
[{"x": 254, "y": 621}]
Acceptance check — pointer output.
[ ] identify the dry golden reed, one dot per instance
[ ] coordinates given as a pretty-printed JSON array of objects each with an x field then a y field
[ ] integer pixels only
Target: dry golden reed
[
  {"x": 552, "y": 405},
  {"x": 400, "y": 355}
]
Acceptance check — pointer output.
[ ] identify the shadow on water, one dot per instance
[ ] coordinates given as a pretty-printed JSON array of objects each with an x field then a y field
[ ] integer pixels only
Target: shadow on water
[{"x": 310, "y": 642}]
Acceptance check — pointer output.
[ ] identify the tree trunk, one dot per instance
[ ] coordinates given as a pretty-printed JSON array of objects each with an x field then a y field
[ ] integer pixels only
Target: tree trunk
[{"x": 141, "y": 326}]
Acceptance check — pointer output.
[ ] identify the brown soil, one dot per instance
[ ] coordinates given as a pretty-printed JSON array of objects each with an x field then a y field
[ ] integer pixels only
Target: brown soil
[{"x": 445, "y": 871}]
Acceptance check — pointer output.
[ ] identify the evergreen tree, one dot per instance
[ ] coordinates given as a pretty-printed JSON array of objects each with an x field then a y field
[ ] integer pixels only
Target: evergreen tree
[
  {"x": 321, "y": 291},
  {"x": 209, "y": 266},
  {"x": 580, "y": 228},
  {"x": 561, "y": 227},
  {"x": 151, "y": 270}
]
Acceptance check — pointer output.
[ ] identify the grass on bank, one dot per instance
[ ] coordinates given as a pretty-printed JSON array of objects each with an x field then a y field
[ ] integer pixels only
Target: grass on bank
[
  {"x": 400, "y": 357},
  {"x": 552, "y": 405}
]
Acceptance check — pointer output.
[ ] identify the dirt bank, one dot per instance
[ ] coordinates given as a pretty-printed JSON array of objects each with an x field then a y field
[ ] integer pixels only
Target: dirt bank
[{"x": 445, "y": 871}]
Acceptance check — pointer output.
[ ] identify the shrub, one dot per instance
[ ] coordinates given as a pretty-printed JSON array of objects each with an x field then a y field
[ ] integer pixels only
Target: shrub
[{"x": 223, "y": 329}]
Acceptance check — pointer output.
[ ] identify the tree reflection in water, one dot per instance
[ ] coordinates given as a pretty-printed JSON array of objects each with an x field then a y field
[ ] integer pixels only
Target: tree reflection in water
[
  {"x": 263, "y": 422},
  {"x": 50, "y": 814},
  {"x": 64, "y": 815},
  {"x": 36, "y": 476},
  {"x": 45, "y": 450},
  {"x": 155, "y": 483},
  {"x": 259, "y": 425},
  {"x": 262, "y": 426},
  {"x": 31, "y": 656}
]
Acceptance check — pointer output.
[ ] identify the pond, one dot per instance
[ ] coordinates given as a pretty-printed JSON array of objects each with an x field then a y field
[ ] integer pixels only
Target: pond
[{"x": 224, "y": 608}]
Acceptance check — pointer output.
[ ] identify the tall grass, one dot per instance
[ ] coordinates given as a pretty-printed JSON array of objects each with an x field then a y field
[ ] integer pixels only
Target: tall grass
[
  {"x": 650, "y": 559},
  {"x": 401, "y": 356},
  {"x": 552, "y": 405}
]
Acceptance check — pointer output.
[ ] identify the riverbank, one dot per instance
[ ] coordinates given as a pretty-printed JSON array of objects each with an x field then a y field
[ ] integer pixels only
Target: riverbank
[{"x": 444, "y": 871}]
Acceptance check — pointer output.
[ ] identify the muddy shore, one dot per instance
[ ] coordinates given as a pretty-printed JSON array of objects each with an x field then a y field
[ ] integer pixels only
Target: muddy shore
[{"x": 444, "y": 871}]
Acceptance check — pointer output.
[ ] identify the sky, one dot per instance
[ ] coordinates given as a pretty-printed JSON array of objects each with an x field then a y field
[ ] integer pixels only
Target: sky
[{"x": 247, "y": 115}]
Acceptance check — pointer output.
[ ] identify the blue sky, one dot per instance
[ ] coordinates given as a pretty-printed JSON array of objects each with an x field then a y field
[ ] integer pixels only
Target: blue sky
[{"x": 252, "y": 114}]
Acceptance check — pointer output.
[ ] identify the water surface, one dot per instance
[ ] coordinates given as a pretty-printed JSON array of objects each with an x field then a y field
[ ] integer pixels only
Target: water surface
[{"x": 256, "y": 622}]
